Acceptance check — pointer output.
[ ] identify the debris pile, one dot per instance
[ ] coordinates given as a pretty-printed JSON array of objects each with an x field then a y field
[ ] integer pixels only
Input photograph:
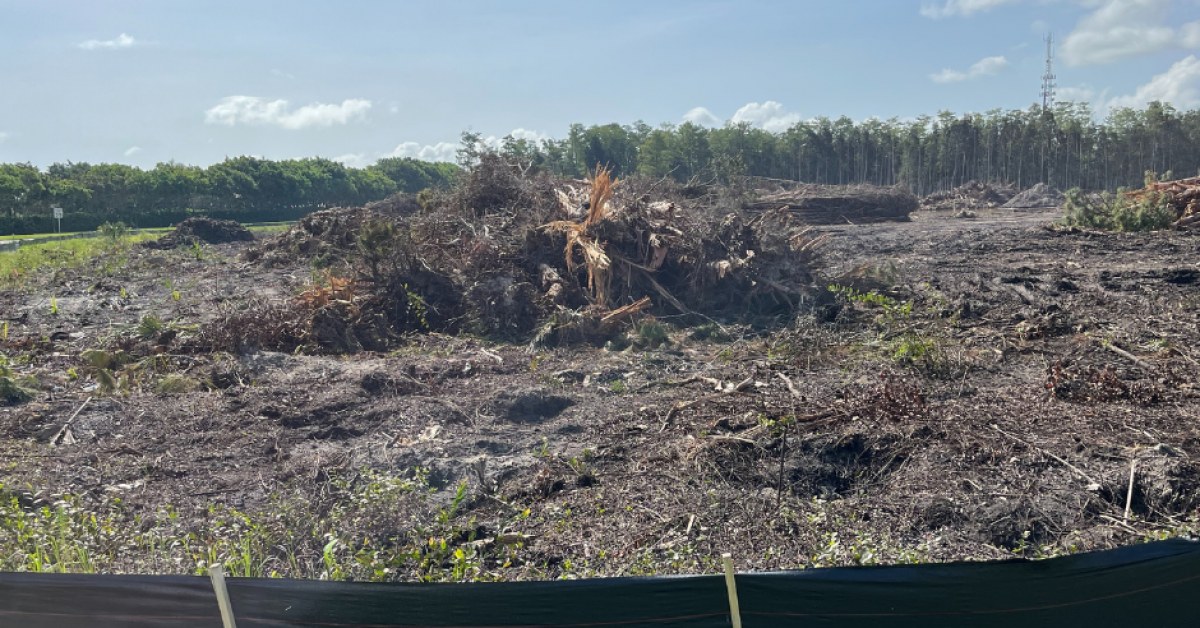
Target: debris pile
[
  {"x": 330, "y": 233},
  {"x": 521, "y": 255},
  {"x": 971, "y": 195},
  {"x": 831, "y": 204},
  {"x": 1181, "y": 196},
  {"x": 201, "y": 229},
  {"x": 1040, "y": 196}
]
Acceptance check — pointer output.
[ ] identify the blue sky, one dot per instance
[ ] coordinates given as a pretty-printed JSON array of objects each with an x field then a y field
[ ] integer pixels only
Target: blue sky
[{"x": 142, "y": 82}]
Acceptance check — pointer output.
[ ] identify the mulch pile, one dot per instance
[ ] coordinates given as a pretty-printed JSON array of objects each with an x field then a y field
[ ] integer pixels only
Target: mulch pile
[
  {"x": 518, "y": 255},
  {"x": 1040, "y": 196},
  {"x": 205, "y": 230},
  {"x": 968, "y": 196},
  {"x": 830, "y": 204}
]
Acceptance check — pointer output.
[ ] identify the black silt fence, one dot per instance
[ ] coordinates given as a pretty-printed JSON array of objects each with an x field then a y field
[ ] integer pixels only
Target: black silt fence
[{"x": 1145, "y": 585}]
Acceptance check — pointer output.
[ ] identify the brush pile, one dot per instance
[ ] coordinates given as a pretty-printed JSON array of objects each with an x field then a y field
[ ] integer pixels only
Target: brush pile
[
  {"x": 1181, "y": 196},
  {"x": 519, "y": 255},
  {"x": 329, "y": 234},
  {"x": 831, "y": 204},
  {"x": 971, "y": 195},
  {"x": 201, "y": 229},
  {"x": 1040, "y": 196}
]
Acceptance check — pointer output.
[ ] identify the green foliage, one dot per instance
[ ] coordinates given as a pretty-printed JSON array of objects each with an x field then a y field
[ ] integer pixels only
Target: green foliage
[
  {"x": 652, "y": 334},
  {"x": 246, "y": 189},
  {"x": 13, "y": 388},
  {"x": 18, "y": 266},
  {"x": 1117, "y": 212},
  {"x": 113, "y": 232},
  {"x": 150, "y": 327}
]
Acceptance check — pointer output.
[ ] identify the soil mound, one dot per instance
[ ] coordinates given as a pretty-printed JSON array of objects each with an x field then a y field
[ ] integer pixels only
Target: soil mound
[
  {"x": 1037, "y": 197},
  {"x": 201, "y": 229},
  {"x": 831, "y": 204},
  {"x": 968, "y": 196}
]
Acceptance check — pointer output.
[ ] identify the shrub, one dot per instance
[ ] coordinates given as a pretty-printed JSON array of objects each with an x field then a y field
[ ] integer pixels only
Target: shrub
[{"x": 1117, "y": 212}]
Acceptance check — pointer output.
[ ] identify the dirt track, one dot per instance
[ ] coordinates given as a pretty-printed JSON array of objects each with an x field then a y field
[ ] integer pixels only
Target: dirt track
[{"x": 999, "y": 415}]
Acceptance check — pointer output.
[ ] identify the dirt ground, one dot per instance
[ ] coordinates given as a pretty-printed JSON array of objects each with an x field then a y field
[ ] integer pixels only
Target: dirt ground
[{"x": 988, "y": 402}]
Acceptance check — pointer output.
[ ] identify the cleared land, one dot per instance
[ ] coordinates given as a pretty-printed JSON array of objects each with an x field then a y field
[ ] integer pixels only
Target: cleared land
[{"x": 976, "y": 389}]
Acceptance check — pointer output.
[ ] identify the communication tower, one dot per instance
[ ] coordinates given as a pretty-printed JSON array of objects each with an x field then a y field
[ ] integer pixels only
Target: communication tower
[{"x": 1048, "y": 83}]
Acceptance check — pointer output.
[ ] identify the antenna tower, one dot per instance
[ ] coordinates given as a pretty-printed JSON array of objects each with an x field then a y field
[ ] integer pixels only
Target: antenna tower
[{"x": 1048, "y": 83}]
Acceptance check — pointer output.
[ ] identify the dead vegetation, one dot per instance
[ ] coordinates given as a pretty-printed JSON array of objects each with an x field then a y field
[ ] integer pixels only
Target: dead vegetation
[
  {"x": 831, "y": 205},
  {"x": 202, "y": 230},
  {"x": 523, "y": 257},
  {"x": 973, "y": 195},
  {"x": 920, "y": 392}
]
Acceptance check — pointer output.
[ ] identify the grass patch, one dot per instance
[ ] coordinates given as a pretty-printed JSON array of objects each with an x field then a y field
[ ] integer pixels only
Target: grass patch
[
  {"x": 349, "y": 532},
  {"x": 16, "y": 266}
]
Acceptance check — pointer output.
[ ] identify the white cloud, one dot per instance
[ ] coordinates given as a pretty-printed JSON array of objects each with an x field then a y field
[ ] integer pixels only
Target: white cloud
[
  {"x": 442, "y": 151},
  {"x": 1082, "y": 93},
  {"x": 950, "y": 8},
  {"x": 983, "y": 67},
  {"x": 769, "y": 116},
  {"x": 1039, "y": 26},
  {"x": 354, "y": 160},
  {"x": 281, "y": 74},
  {"x": 133, "y": 150},
  {"x": 1121, "y": 29},
  {"x": 1179, "y": 86},
  {"x": 702, "y": 117},
  {"x": 533, "y": 137},
  {"x": 3, "y": 136},
  {"x": 122, "y": 41},
  {"x": 259, "y": 111}
]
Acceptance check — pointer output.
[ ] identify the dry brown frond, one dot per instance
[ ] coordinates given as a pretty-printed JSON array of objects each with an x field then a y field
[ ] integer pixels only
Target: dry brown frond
[
  {"x": 339, "y": 289},
  {"x": 602, "y": 192}
]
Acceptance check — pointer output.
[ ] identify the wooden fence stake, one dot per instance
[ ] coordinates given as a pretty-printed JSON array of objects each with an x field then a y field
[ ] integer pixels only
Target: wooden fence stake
[
  {"x": 218, "y": 580},
  {"x": 1129, "y": 495},
  {"x": 735, "y": 613}
]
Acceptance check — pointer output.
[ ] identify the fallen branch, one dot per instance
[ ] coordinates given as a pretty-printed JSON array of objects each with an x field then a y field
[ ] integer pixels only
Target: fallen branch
[
  {"x": 1128, "y": 356},
  {"x": 1046, "y": 453},
  {"x": 64, "y": 432}
]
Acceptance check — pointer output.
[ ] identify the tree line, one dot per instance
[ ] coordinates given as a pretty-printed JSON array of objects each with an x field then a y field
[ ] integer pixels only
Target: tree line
[
  {"x": 1064, "y": 146},
  {"x": 243, "y": 188}
]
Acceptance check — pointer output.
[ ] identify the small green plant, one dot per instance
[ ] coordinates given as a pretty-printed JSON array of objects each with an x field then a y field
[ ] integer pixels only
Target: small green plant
[
  {"x": 652, "y": 334},
  {"x": 618, "y": 387},
  {"x": 14, "y": 389},
  {"x": 113, "y": 232},
  {"x": 150, "y": 327},
  {"x": 175, "y": 295},
  {"x": 53, "y": 306}
]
